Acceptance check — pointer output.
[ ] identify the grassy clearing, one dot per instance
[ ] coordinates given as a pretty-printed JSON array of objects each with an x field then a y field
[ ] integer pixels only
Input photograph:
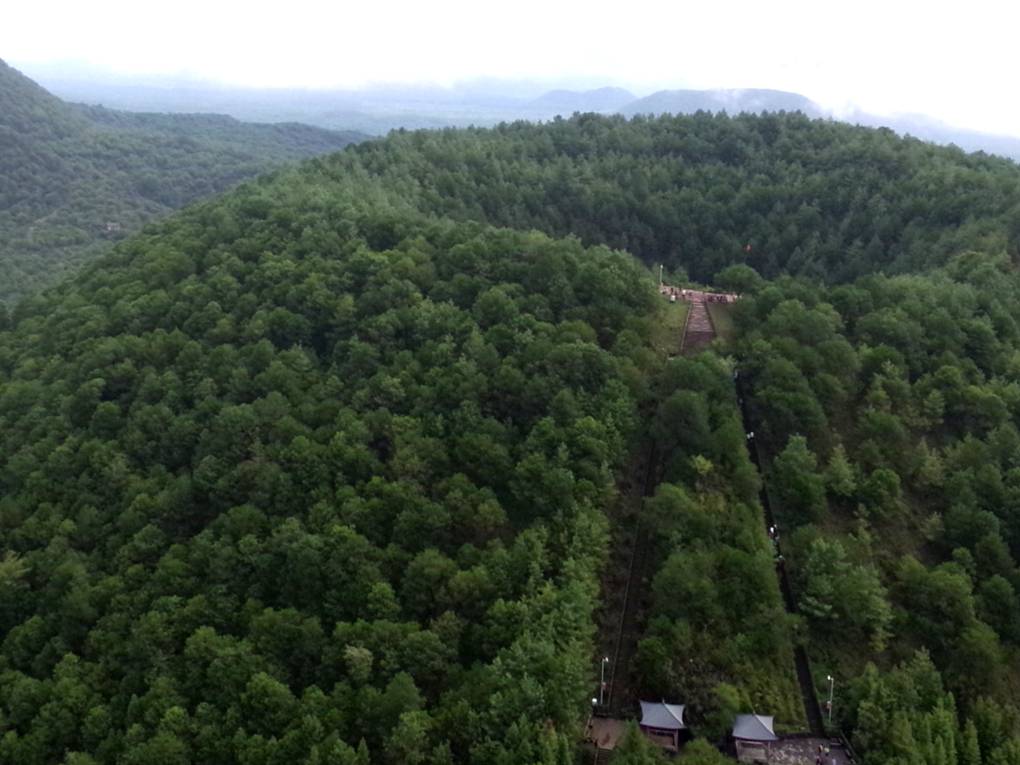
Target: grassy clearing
[{"x": 669, "y": 326}]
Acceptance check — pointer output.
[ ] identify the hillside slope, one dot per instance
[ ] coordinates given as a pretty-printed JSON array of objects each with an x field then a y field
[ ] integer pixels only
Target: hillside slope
[
  {"x": 888, "y": 411},
  {"x": 329, "y": 479},
  {"x": 72, "y": 179},
  {"x": 320, "y": 470}
]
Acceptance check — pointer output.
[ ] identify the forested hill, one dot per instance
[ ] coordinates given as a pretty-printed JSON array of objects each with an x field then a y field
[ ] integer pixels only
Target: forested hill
[
  {"x": 781, "y": 192},
  {"x": 73, "y": 179},
  {"x": 313, "y": 480},
  {"x": 326, "y": 470}
]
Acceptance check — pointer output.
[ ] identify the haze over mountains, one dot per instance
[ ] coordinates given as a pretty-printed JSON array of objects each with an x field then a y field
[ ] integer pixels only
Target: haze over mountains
[
  {"x": 382, "y": 108},
  {"x": 599, "y": 100},
  {"x": 731, "y": 101}
]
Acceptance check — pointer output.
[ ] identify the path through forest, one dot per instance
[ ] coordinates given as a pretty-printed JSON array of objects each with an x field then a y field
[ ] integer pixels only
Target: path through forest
[
  {"x": 803, "y": 666},
  {"x": 626, "y": 581},
  {"x": 624, "y": 584},
  {"x": 699, "y": 331}
]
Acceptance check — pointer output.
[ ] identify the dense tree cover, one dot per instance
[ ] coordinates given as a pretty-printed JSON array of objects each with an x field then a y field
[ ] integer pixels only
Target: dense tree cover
[
  {"x": 285, "y": 482},
  {"x": 635, "y": 749},
  {"x": 315, "y": 473},
  {"x": 779, "y": 192},
  {"x": 891, "y": 407},
  {"x": 73, "y": 179},
  {"x": 718, "y": 637},
  {"x": 906, "y": 715}
]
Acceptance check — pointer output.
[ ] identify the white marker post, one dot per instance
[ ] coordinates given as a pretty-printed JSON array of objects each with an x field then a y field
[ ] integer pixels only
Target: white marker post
[{"x": 832, "y": 685}]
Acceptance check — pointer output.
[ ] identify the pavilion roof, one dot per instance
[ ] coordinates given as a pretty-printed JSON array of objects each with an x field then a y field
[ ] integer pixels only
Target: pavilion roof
[
  {"x": 659, "y": 714},
  {"x": 754, "y": 728}
]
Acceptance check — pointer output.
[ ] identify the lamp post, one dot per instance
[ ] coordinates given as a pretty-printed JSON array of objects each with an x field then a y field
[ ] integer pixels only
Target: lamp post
[
  {"x": 660, "y": 274},
  {"x": 602, "y": 687},
  {"x": 832, "y": 684}
]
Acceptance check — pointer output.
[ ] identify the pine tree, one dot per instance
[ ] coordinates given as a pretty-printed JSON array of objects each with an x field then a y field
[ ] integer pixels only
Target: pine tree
[
  {"x": 969, "y": 750},
  {"x": 902, "y": 743},
  {"x": 840, "y": 476}
]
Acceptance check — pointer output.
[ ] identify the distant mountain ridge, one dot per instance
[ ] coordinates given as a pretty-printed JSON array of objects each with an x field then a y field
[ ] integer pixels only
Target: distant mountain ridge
[
  {"x": 73, "y": 178},
  {"x": 379, "y": 110},
  {"x": 732, "y": 101},
  {"x": 928, "y": 129},
  {"x": 570, "y": 101},
  {"x": 482, "y": 104},
  {"x": 758, "y": 100}
]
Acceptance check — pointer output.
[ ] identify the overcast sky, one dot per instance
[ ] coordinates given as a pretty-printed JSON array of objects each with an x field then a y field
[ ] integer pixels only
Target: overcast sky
[{"x": 953, "y": 61}]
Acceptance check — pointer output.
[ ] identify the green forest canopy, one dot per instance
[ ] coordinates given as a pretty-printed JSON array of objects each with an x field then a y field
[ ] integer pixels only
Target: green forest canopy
[
  {"x": 814, "y": 198},
  {"x": 318, "y": 471}
]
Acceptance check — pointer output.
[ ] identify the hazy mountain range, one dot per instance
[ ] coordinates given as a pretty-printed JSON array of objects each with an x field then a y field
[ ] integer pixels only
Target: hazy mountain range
[
  {"x": 731, "y": 101},
  {"x": 485, "y": 102}
]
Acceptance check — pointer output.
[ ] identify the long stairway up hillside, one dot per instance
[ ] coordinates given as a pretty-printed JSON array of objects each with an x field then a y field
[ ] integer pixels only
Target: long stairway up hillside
[
  {"x": 626, "y": 580},
  {"x": 621, "y": 693},
  {"x": 626, "y": 585},
  {"x": 812, "y": 709},
  {"x": 699, "y": 331}
]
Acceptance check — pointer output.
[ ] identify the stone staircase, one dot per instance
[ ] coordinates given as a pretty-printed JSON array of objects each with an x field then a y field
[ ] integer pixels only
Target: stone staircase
[{"x": 699, "y": 331}]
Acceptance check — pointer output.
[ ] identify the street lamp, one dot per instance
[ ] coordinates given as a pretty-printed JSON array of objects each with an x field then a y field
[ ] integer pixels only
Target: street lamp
[
  {"x": 602, "y": 687},
  {"x": 832, "y": 683}
]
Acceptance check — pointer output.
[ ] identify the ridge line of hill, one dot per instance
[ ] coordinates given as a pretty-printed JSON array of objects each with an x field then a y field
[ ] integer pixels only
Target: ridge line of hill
[{"x": 97, "y": 175}]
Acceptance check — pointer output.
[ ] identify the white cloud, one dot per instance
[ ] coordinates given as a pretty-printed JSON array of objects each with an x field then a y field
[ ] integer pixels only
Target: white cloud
[{"x": 953, "y": 62}]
